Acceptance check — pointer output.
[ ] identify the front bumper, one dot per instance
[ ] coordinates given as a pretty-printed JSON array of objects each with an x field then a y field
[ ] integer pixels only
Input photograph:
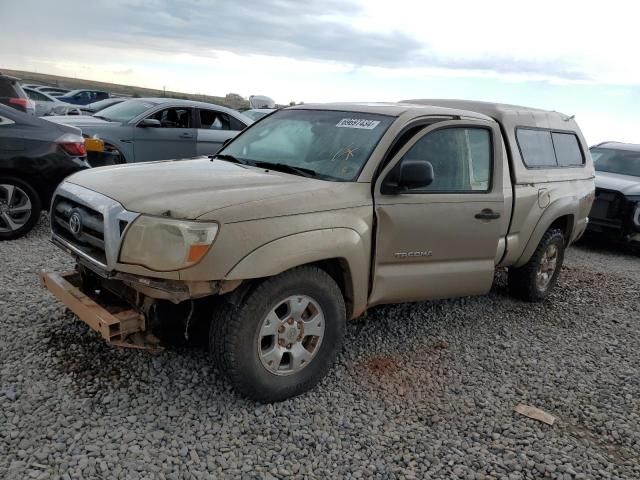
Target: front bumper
[
  {"x": 615, "y": 215},
  {"x": 119, "y": 325}
]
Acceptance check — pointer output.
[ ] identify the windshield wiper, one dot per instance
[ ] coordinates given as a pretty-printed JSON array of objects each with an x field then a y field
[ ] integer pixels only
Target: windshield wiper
[
  {"x": 228, "y": 158},
  {"x": 283, "y": 167}
]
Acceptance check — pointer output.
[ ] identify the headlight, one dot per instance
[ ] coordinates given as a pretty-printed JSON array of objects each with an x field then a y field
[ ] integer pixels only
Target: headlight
[{"x": 163, "y": 244}]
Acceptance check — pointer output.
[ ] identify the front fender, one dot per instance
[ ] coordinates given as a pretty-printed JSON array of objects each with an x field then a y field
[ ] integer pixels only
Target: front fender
[
  {"x": 291, "y": 251},
  {"x": 117, "y": 136}
]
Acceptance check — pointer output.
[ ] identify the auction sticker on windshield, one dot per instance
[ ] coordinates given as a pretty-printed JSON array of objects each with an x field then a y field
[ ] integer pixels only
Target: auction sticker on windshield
[{"x": 358, "y": 123}]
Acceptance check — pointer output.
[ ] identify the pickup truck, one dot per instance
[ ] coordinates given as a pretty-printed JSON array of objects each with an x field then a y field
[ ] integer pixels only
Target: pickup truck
[
  {"x": 616, "y": 209},
  {"x": 314, "y": 214}
]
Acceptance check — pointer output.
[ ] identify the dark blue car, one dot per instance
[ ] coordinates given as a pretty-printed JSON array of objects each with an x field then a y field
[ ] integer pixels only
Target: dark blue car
[{"x": 83, "y": 97}]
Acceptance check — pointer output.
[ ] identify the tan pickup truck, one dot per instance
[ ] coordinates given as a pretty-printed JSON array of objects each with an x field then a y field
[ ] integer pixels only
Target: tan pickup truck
[{"x": 314, "y": 214}]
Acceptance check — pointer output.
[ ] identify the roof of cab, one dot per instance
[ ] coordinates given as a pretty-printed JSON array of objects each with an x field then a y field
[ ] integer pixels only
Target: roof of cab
[
  {"x": 508, "y": 115},
  {"x": 393, "y": 109}
]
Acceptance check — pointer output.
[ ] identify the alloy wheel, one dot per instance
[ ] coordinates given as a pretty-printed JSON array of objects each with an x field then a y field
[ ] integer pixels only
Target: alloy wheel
[
  {"x": 547, "y": 267},
  {"x": 290, "y": 335},
  {"x": 15, "y": 208}
]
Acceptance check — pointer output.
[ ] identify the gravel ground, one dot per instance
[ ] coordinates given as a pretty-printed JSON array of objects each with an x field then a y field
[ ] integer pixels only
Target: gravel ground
[{"x": 420, "y": 391}]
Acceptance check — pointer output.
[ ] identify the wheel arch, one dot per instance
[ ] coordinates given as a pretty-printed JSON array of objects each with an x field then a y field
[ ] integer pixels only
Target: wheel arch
[
  {"x": 125, "y": 150},
  {"x": 43, "y": 195},
  {"x": 341, "y": 252},
  {"x": 560, "y": 214}
]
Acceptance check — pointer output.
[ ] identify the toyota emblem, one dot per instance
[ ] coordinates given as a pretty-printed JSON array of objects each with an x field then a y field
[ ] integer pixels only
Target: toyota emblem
[{"x": 75, "y": 223}]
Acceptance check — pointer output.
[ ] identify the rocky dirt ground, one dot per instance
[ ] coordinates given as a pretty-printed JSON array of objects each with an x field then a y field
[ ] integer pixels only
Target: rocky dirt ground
[{"x": 420, "y": 391}]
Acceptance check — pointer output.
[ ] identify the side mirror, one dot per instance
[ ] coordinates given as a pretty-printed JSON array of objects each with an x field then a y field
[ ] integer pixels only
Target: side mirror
[
  {"x": 149, "y": 123},
  {"x": 408, "y": 175}
]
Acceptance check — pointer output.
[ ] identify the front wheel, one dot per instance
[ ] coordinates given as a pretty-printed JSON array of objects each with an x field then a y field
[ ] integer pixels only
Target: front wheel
[
  {"x": 535, "y": 279},
  {"x": 19, "y": 208},
  {"x": 284, "y": 336}
]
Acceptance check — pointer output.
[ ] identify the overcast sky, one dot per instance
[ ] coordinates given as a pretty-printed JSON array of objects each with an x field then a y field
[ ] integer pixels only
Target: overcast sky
[{"x": 571, "y": 56}]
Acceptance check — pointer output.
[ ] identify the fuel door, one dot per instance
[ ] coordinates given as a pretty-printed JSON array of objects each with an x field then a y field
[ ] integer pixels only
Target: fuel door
[{"x": 544, "y": 198}]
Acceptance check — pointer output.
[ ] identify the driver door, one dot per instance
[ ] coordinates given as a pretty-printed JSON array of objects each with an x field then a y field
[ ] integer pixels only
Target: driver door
[{"x": 442, "y": 240}]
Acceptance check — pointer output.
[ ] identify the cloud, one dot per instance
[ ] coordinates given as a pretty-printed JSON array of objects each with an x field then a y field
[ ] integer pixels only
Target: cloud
[
  {"x": 123, "y": 72},
  {"x": 334, "y": 31},
  {"x": 297, "y": 30}
]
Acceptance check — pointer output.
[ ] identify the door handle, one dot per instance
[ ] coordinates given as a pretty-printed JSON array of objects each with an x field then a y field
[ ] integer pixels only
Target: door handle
[
  {"x": 487, "y": 214},
  {"x": 186, "y": 135}
]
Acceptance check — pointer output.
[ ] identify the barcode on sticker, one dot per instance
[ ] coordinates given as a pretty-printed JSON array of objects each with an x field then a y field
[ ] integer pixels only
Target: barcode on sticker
[{"x": 358, "y": 123}]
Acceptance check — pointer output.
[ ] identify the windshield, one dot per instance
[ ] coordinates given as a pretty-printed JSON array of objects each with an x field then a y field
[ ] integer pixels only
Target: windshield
[
  {"x": 623, "y": 162},
  {"x": 125, "y": 111},
  {"x": 335, "y": 145},
  {"x": 255, "y": 114},
  {"x": 102, "y": 104}
]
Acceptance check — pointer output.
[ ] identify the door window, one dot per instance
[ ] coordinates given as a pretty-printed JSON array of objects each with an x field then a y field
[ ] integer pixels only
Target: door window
[
  {"x": 461, "y": 159},
  {"x": 6, "y": 88},
  {"x": 567, "y": 149},
  {"x": 176, "y": 117},
  {"x": 214, "y": 120}
]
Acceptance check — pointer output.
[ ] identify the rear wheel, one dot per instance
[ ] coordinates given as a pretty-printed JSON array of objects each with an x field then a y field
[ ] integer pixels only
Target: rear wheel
[
  {"x": 535, "y": 280},
  {"x": 283, "y": 337},
  {"x": 115, "y": 156},
  {"x": 19, "y": 208}
]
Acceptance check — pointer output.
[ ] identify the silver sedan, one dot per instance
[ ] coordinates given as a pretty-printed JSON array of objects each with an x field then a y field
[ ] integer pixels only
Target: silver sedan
[
  {"x": 49, "y": 105},
  {"x": 145, "y": 129}
]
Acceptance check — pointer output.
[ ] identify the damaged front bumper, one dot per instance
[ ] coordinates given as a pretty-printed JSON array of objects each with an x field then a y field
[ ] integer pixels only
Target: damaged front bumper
[
  {"x": 125, "y": 309},
  {"x": 118, "y": 324},
  {"x": 615, "y": 215}
]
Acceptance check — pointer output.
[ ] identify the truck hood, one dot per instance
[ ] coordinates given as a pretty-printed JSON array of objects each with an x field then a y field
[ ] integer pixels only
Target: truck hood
[
  {"x": 80, "y": 121},
  {"x": 218, "y": 190},
  {"x": 626, "y": 184}
]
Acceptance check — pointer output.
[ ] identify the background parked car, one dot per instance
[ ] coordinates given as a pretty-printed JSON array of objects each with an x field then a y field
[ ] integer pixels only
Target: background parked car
[
  {"x": 54, "y": 91},
  {"x": 145, "y": 129},
  {"x": 261, "y": 101},
  {"x": 12, "y": 94},
  {"x": 257, "y": 113},
  {"x": 616, "y": 209},
  {"x": 35, "y": 156},
  {"x": 95, "y": 107},
  {"x": 83, "y": 97},
  {"x": 45, "y": 104}
]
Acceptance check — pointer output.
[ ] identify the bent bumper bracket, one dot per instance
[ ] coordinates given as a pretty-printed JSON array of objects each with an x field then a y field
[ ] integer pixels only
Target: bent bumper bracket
[{"x": 118, "y": 326}]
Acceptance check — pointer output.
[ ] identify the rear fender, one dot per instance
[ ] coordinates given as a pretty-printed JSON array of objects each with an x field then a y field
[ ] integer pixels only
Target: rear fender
[{"x": 559, "y": 208}]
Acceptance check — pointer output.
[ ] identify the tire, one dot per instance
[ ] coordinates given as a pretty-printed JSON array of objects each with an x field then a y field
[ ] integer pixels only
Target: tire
[
  {"x": 110, "y": 156},
  {"x": 20, "y": 207},
  {"x": 525, "y": 282},
  {"x": 260, "y": 344}
]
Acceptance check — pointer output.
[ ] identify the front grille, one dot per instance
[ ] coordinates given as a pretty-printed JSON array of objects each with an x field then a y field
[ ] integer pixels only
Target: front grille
[
  {"x": 90, "y": 237},
  {"x": 89, "y": 224}
]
